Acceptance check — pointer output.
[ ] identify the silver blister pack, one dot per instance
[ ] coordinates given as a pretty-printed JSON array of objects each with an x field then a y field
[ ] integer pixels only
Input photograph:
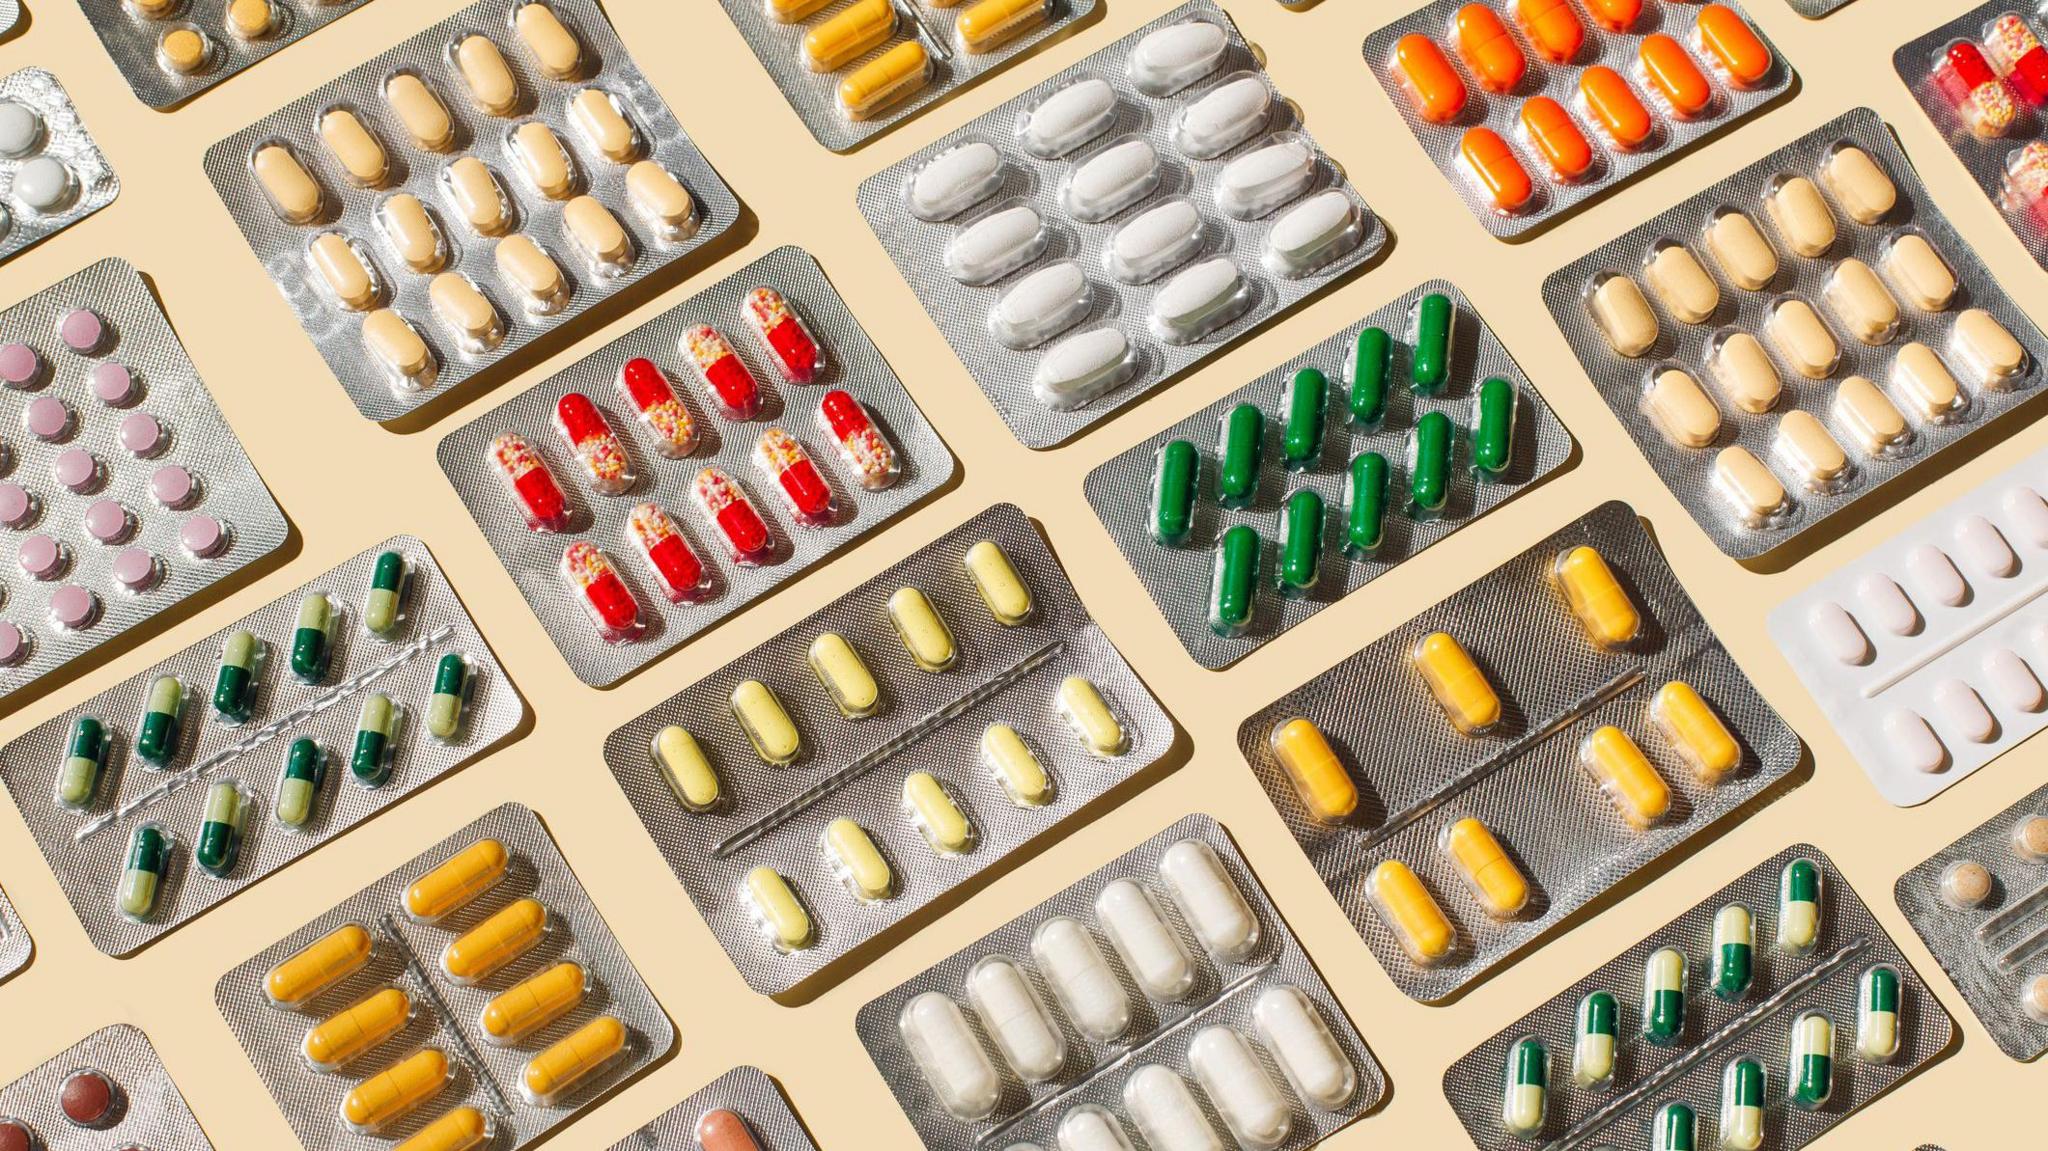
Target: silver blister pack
[
  {"x": 1134, "y": 272},
  {"x": 125, "y": 492},
  {"x": 1785, "y": 987},
  {"x": 1814, "y": 10},
  {"x": 1614, "y": 53},
  {"x": 1977, "y": 905},
  {"x": 172, "y": 50},
  {"x": 53, "y": 170},
  {"x": 1910, "y": 426},
  {"x": 741, "y": 1100},
  {"x": 723, "y": 441},
  {"x": 1529, "y": 778},
  {"x": 15, "y": 945},
  {"x": 888, "y": 64},
  {"x": 143, "y": 1109},
  {"x": 10, "y": 11},
  {"x": 509, "y": 316},
  {"x": 87, "y": 821},
  {"x": 488, "y": 1083},
  {"x": 1236, "y": 968},
  {"x": 1180, "y": 576},
  {"x": 920, "y": 723}
]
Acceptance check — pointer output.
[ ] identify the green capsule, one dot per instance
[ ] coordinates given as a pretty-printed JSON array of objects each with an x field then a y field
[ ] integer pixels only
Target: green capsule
[
  {"x": 1664, "y": 997},
  {"x": 1675, "y": 1128},
  {"x": 149, "y": 857},
  {"x": 1734, "y": 951},
  {"x": 298, "y": 788},
  {"x": 1593, "y": 1046},
  {"x": 1176, "y": 470},
  {"x": 1742, "y": 1106},
  {"x": 1366, "y": 373},
  {"x": 1239, "y": 439},
  {"x": 1308, "y": 393},
  {"x": 1877, "y": 1014},
  {"x": 79, "y": 779},
  {"x": 312, "y": 639},
  {"x": 1435, "y": 321},
  {"x": 1235, "y": 580},
  {"x": 387, "y": 589},
  {"x": 1812, "y": 1070},
  {"x": 1799, "y": 906},
  {"x": 1493, "y": 427},
  {"x": 451, "y": 688},
  {"x": 220, "y": 828},
  {"x": 156, "y": 737},
  {"x": 1365, "y": 504},
  {"x": 1429, "y": 466},
  {"x": 1526, "y": 1088},
  {"x": 370, "y": 763},
  {"x": 234, "y": 689},
  {"x": 1301, "y": 541}
]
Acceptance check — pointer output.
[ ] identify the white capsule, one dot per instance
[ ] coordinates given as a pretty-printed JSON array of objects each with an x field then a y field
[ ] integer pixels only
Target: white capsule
[
  {"x": 1209, "y": 900},
  {"x": 1981, "y": 543},
  {"x": 1146, "y": 943},
  {"x": 1040, "y": 306},
  {"x": 1011, "y": 1013},
  {"x": 954, "y": 1065},
  {"x": 1837, "y": 632},
  {"x": 955, "y": 180},
  {"x": 2013, "y": 681},
  {"x": 1112, "y": 180},
  {"x": 1935, "y": 575},
  {"x": 1886, "y": 602},
  {"x": 1963, "y": 710},
  {"x": 1294, "y": 1033},
  {"x": 1199, "y": 300},
  {"x": 1160, "y": 238},
  {"x": 995, "y": 245},
  {"x": 1069, "y": 118},
  {"x": 1913, "y": 743},
  {"x": 1224, "y": 117},
  {"x": 1090, "y": 1128},
  {"x": 1312, "y": 233},
  {"x": 1088, "y": 991},
  {"x": 1082, "y": 367},
  {"x": 1258, "y": 182},
  {"x": 1166, "y": 1112},
  {"x": 1239, "y": 1088},
  {"x": 1172, "y": 58}
]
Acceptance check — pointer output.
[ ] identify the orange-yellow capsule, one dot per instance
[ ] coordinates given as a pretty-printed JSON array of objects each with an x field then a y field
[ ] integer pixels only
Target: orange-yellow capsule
[
  {"x": 471, "y": 957},
  {"x": 533, "y": 1003},
  {"x": 1737, "y": 49},
  {"x": 1494, "y": 165},
  {"x": 462, "y": 1129},
  {"x": 1614, "y": 104},
  {"x": 1488, "y": 49},
  {"x": 1556, "y": 138},
  {"x": 1552, "y": 27},
  {"x": 557, "y": 1070},
  {"x": 1432, "y": 84},
  {"x": 1672, "y": 73},
  {"x": 1615, "y": 15}
]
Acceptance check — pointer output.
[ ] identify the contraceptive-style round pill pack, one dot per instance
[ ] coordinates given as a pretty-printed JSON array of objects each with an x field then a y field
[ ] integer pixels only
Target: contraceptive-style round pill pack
[
  {"x": 171, "y": 50},
  {"x": 15, "y": 945},
  {"x": 1547, "y": 109},
  {"x": 678, "y": 489},
  {"x": 818, "y": 791},
  {"x": 1397, "y": 429},
  {"x": 1804, "y": 332},
  {"x": 435, "y": 210},
  {"x": 741, "y": 1110},
  {"x": 1762, "y": 1017},
  {"x": 1210, "y": 1019},
  {"x": 1467, "y": 782},
  {"x": 158, "y": 799},
  {"x": 52, "y": 169},
  {"x": 1119, "y": 224},
  {"x": 107, "y": 1090}
]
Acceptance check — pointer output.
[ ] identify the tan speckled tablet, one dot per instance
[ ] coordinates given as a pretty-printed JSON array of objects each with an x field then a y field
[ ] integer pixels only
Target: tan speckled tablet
[
  {"x": 1986, "y": 351},
  {"x": 1682, "y": 410},
  {"x": 1746, "y": 258},
  {"x": 1745, "y": 373},
  {"x": 490, "y": 80},
  {"x": 1685, "y": 288},
  {"x": 395, "y": 346},
  {"x": 1922, "y": 382},
  {"x": 661, "y": 199},
  {"x": 1859, "y": 185},
  {"x": 184, "y": 50},
  {"x": 473, "y": 188},
  {"x": 532, "y": 273},
  {"x": 291, "y": 188},
  {"x": 1806, "y": 449},
  {"x": 1803, "y": 339},
  {"x": 1802, "y": 216},
  {"x": 1920, "y": 273},
  {"x": 412, "y": 232},
  {"x": 596, "y": 231},
  {"x": 1623, "y": 315},
  {"x": 463, "y": 310},
  {"x": 543, "y": 159},
  {"x": 597, "y": 119},
  {"x": 1749, "y": 487},
  {"x": 1868, "y": 415},
  {"x": 342, "y": 269},
  {"x": 1965, "y": 884},
  {"x": 1860, "y": 301},
  {"x": 417, "y": 106},
  {"x": 553, "y": 46},
  {"x": 354, "y": 147}
]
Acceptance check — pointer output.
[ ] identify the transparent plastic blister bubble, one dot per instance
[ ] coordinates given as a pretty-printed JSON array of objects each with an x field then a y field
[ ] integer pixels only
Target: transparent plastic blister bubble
[
  {"x": 1162, "y": 995},
  {"x": 743, "y": 1101},
  {"x": 1772, "y": 390},
  {"x": 811, "y": 798},
  {"x": 119, "y": 790},
  {"x": 1745, "y": 1046},
  {"x": 108, "y": 1090},
  {"x": 1119, "y": 224},
  {"x": 53, "y": 170},
  {"x": 171, "y": 50},
  {"x": 693, "y": 477},
  {"x": 1606, "y": 723},
  {"x": 15, "y": 944},
  {"x": 503, "y": 1018},
  {"x": 1335, "y": 422},
  {"x": 485, "y": 182}
]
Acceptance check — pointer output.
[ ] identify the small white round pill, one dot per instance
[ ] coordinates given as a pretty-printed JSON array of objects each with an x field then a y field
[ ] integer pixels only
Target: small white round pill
[{"x": 44, "y": 183}]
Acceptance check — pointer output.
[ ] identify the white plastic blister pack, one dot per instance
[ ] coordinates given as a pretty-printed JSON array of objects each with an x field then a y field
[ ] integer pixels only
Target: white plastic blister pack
[
  {"x": 171, "y": 50},
  {"x": 53, "y": 172},
  {"x": 108, "y": 1090},
  {"x": 741, "y": 1110}
]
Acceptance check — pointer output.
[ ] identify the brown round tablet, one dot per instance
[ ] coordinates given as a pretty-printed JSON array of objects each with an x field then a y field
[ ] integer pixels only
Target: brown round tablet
[
  {"x": 15, "y": 1136},
  {"x": 1966, "y": 883},
  {"x": 2030, "y": 838},
  {"x": 88, "y": 1099}
]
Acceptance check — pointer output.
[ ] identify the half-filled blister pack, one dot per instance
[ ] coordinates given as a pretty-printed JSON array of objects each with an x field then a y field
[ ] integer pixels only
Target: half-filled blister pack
[
  {"x": 1474, "y": 777},
  {"x": 53, "y": 171},
  {"x": 1796, "y": 336},
  {"x": 1303, "y": 486},
  {"x": 664, "y": 482},
  {"x": 1209, "y": 1027},
  {"x": 171, "y": 50},
  {"x": 124, "y": 493},
  {"x": 15, "y": 945},
  {"x": 741, "y": 1110},
  {"x": 1924, "y": 652},
  {"x": 823, "y": 787},
  {"x": 472, "y": 998},
  {"x": 108, "y": 1090},
  {"x": 1119, "y": 224},
  {"x": 1762, "y": 1017},
  {"x": 431, "y": 212},
  {"x": 158, "y": 799},
  {"x": 1532, "y": 108},
  {"x": 853, "y": 68}
]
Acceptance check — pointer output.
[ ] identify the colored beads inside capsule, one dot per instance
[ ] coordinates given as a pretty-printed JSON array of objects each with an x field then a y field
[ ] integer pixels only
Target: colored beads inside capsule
[
  {"x": 1459, "y": 685},
  {"x": 313, "y": 636},
  {"x": 1799, "y": 895},
  {"x": 1742, "y": 1105},
  {"x": 1877, "y": 1014},
  {"x": 1239, "y": 444},
  {"x": 142, "y": 876},
  {"x": 606, "y": 467},
  {"x": 1597, "y": 597},
  {"x": 1429, "y": 465},
  {"x": 723, "y": 374},
  {"x": 1412, "y": 913},
  {"x": 724, "y": 504},
  {"x": 669, "y": 424},
  {"x": 1233, "y": 584},
  {"x": 664, "y": 551},
  {"x": 784, "y": 335},
  {"x": 298, "y": 785},
  {"x": 234, "y": 685},
  {"x": 606, "y": 599},
  {"x": 451, "y": 691},
  {"x": 1594, "y": 1039},
  {"x": 1301, "y": 542},
  {"x": 85, "y": 757},
  {"x": 383, "y": 604},
  {"x": 1664, "y": 997},
  {"x": 1734, "y": 951},
  {"x": 867, "y": 454},
  {"x": 1811, "y": 1074},
  {"x": 369, "y": 760},
  {"x": 1003, "y": 592},
  {"x": 1526, "y": 1091},
  {"x": 533, "y": 487},
  {"x": 156, "y": 737}
]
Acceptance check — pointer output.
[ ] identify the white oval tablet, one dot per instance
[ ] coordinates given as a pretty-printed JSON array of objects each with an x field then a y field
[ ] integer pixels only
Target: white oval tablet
[
  {"x": 1198, "y": 300},
  {"x": 955, "y": 179},
  {"x": 946, "y": 1051},
  {"x": 1836, "y": 631},
  {"x": 1258, "y": 182},
  {"x": 1069, "y": 118},
  {"x": 1159, "y": 238},
  {"x": 1913, "y": 743},
  {"x": 1172, "y": 58},
  {"x": 1980, "y": 542},
  {"x": 1112, "y": 180},
  {"x": 1208, "y": 900},
  {"x": 1082, "y": 367},
  {"x": 1963, "y": 710},
  {"x": 995, "y": 245},
  {"x": 1239, "y": 1088},
  {"x": 2029, "y": 515},
  {"x": 1166, "y": 1112},
  {"x": 1935, "y": 575},
  {"x": 1224, "y": 117},
  {"x": 1090, "y": 994},
  {"x": 1040, "y": 306},
  {"x": 1146, "y": 943},
  {"x": 1886, "y": 602},
  {"x": 1312, "y": 233},
  {"x": 2013, "y": 681}
]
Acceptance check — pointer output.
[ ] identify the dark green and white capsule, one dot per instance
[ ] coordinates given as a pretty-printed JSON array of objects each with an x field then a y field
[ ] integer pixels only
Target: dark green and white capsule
[
  {"x": 1734, "y": 951},
  {"x": 156, "y": 737},
  {"x": 313, "y": 637},
  {"x": 1234, "y": 581},
  {"x": 220, "y": 828},
  {"x": 1675, "y": 1128},
  {"x": 1308, "y": 394},
  {"x": 1365, "y": 503},
  {"x": 1240, "y": 436},
  {"x": 298, "y": 786},
  {"x": 387, "y": 593},
  {"x": 1493, "y": 427},
  {"x": 1599, "y": 1028},
  {"x": 1811, "y": 1075},
  {"x": 1434, "y": 328},
  {"x": 1301, "y": 542},
  {"x": 1526, "y": 1088},
  {"x": 1366, "y": 372},
  {"x": 1664, "y": 997},
  {"x": 149, "y": 859},
  {"x": 1176, "y": 474},
  {"x": 1742, "y": 1105},
  {"x": 1877, "y": 1015},
  {"x": 1799, "y": 906},
  {"x": 451, "y": 691},
  {"x": 370, "y": 761},
  {"x": 1429, "y": 465},
  {"x": 85, "y": 757},
  {"x": 234, "y": 686}
]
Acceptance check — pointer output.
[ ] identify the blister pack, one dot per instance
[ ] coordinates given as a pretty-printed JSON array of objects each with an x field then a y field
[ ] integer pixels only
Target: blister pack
[
  {"x": 431, "y": 212},
  {"x": 1762, "y": 1017},
  {"x": 158, "y": 799},
  {"x": 1814, "y": 10},
  {"x": 741, "y": 1110},
  {"x": 667, "y": 450},
  {"x": 1982, "y": 78},
  {"x": 10, "y": 11},
  {"x": 15, "y": 945},
  {"x": 1531, "y": 123},
  {"x": 126, "y": 493},
  {"x": 171, "y": 50},
  {"x": 1469, "y": 780},
  {"x": 472, "y": 998},
  {"x": 1209, "y": 1020},
  {"x": 1797, "y": 336},
  {"x": 1282, "y": 498},
  {"x": 1919, "y": 650},
  {"x": 853, "y": 68},
  {"x": 1119, "y": 224},
  {"x": 818, "y": 790},
  {"x": 54, "y": 173},
  {"x": 108, "y": 1090}
]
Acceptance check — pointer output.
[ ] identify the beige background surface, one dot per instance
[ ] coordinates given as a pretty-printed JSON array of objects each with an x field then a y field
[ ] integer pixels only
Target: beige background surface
[{"x": 347, "y": 483}]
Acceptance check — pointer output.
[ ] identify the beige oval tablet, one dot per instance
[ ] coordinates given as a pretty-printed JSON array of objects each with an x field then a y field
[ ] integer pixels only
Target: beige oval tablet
[
  {"x": 396, "y": 346},
  {"x": 425, "y": 118},
  {"x": 1682, "y": 410},
  {"x": 291, "y": 188},
  {"x": 1802, "y": 216},
  {"x": 1859, "y": 185},
  {"x": 1803, "y": 339},
  {"x": 661, "y": 199},
  {"x": 1807, "y": 449},
  {"x": 1745, "y": 373},
  {"x": 1748, "y": 486},
  {"x": 532, "y": 273},
  {"x": 597, "y": 231},
  {"x": 1988, "y": 352},
  {"x": 1919, "y": 271},
  {"x": 412, "y": 233},
  {"x": 464, "y": 310},
  {"x": 553, "y": 46},
  {"x": 1921, "y": 380},
  {"x": 251, "y": 19},
  {"x": 1623, "y": 315},
  {"x": 597, "y": 119},
  {"x": 1866, "y": 413},
  {"x": 490, "y": 80},
  {"x": 1746, "y": 258},
  {"x": 1686, "y": 289},
  {"x": 543, "y": 159},
  {"x": 342, "y": 269},
  {"x": 1861, "y": 302},
  {"x": 352, "y": 145},
  {"x": 474, "y": 190}
]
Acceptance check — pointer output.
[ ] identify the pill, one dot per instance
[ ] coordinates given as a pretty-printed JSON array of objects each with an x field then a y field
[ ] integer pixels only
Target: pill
[
  {"x": 85, "y": 757},
  {"x": 1310, "y": 234},
  {"x": 777, "y": 910},
  {"x": 1160, "y": 238},
  {"x": 1742, "y": 1105},
  {"x": 1963, "y": 711},
  {"x": 134, "y": 570},
  {"x": 47, "y": 185},
  {"x": 1965, "y": 884},
  {"x": 572, "y": 1060},
  {"x": 1988, "y": 354},
  {"x": 22, "y": 132},
  {"x": 1240, "y": 436},
  {"x": 43, "y": 558},
  {"x": 955, "y": 180},
  {"x": 1811, "y": 1073},
  {"x": 1458, "y": 683},
  {"x": 1432, "y": 84},
  {"x": 1090, "y": 718},
  {"x": 1877, "y": 1014},
  {"x": 1593, "y": 1041},
  {"x": 313, "y": 636},
  {"x": 1491, "y": 164},
  {"x": 782, "y": 333},
  {"x": 1802, "y": 216},
  {"x": 845, "y": 678},
  {"x": 1737, "y": 52},
  {"x": 156, "y": 736},
  {"x": 542, "y": 159},
  {"x": 884, "y": 80},
  {"x": 1681, "y": 410},
  {"x": 1234, "y": 580},
  {"x": 1150, "y": 949},
  {"x": 319, "y": 966},
  {"x": 1365, "y": 503},
  {"x": 425, "y": 118},
  {"x": 453, "y": 678},
  {"x": 1744, "y": 370},
  {"x": 490, "y": 80},
  {"x": 954, "y": 1066},
  {"x": 1319, "y": 778},
  {"x": 1237, "y": 1085},
  {"x": 1799, "y": 896},
  {"x": 398, "y": 348},
  {"x": 936, "y": 816},
  {"x": 686, "y": 769},
  {"x": 661, "y": 200},
  {"x": 984, "y": 26},
  {"x": 533, "y": 1003},
  {"x": 1525, "y": 1088},
  {"x": 766, "y": 724},
  {"x": 1614, "y": 108},
  {"x": 1198, "y": 300},
  {"x": 1088, "y": 991},
  {"x": 529, "y": 270},
  {"x": 1258, "y": 181},
  {"x": 1292, "y": 1030},
  {"x": 21, "y": 366},
  {"x": 1803, "y": 446},
  {"x": 1411, "y": 912},
  {"x": 142, "y": 872},
  {"x": 457, "y": 882},
  {"x": 143, "y": 436},
  {"x": 2020, "y": 56},
  {"x": 723, "y": 1130},
  {"x": 1002, "y": 590},
  {"x": 1919, "y": 272},
  {"x": 1552, "y": 27},
  {"x": 1429, "y": 465},
  {"x": 1694, "y": 730},
  {"x": 1935, "y": 576},
  {"x": 292, "y": 190},
  {"x": 1923, "y": 381},
  {"x": 405, "y": 225},
  {"x": 1487, "y": 49},
  {"x": 1069, "y": 118},
  {"x": 1745, "y": 257},
  {"x": 473, "y": 189},
  {"x": 2034, "y": 999},
  {"x": 234, "y": 684},
  {"x": 463, "y": 1129},
  {"x": 202, "y": 537},
  {"x": 1865, "y": 412},
  {"x": 356, "y": 1029},
  {"x": 370, "y": 757},
  {"x": 853, "y": 30},
  {"x": 1171, "y": 58},
  {"x": 672, "y": 429},
  {"x": 1675, "y": 1128},
  {"x": 1615, "y": 15},
  {"x": 184, "y": 49},
  {"x": 1209, "y": 900},
  {"x": 1682, "y": 285},
  {"x": 1087, "y": 1128},
  {"x": 1913, "y": 744},
  {"x": 783, "y": 460},
  {"x": 298, "y": 785},
  {"x": 2028, "y": 514},
  {"x": 1082, "y": 367},
  {"x": 1625, "y": 774},
  {"x": 1802, "y": 339},
  {"x": 1673, "y": 76},
  {"x": 1011, "y": 1013},
  {"x": 1015, "y": 767},
  {"x": 1223, "y": 117},
  {"x": 1859, "y": 184},
  {"x": 1734, "y": 950},
  {"x": 530, "y": 482},
  {"x": 863, "y": 447},
  {"x": 511, "y": 932},
  {"x": 388, "y": 1096},
  {"x": 1040, "y": 305},
  {"x": 1622, "y": 315},
  {"x": 1112, "y": 179},
  {"x": 2030, "y": 838},
  {"x": 1664, "y": 997},
  {"x": 172, "y": 486},
  {"x": 725, "y": 505},
  {"x": 553, "y": 46},
  {"x": 1860, "y": 301},
  {"x": 1556, "y": 138},
  {"x": 856, "y": 861},
  {"x": 1166, "y": 1113},
  {"x": 343, "y": 270},
  {"x": 1596, "y": 596},
  {"x": 1301, "y": 542},
  {"x": 1981, "y": 543},
  {"x": 721, "y": 372},
  {"x": 996, "y": 245}
]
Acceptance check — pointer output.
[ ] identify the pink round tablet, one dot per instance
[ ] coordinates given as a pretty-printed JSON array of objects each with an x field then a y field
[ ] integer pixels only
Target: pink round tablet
[
  {"x": 135, "y": 569},
  {"x": 107, "y": 521},
  {"x": 76, "y": 469},
  {"x": 203, "y": 536},
  {"x": 47, "y": 418},
  {"x": 172, "y": 486},
  {"x": 42, "y": 557},
  {"x": 13, "y": 644},
  {"x": 82, "y": 330},
  {"x": 17, "y": 507},
  {"x": 73, "y": 607},
  {"x": 114, "y": 384},
  {"x": 20, "y": 366},
  {"x": 142, "y": 435}
]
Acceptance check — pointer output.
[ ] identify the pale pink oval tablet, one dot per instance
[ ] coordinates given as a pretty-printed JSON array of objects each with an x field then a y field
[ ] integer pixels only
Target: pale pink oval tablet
[
  {"x": 2013, "y": 681},
  {"x": 203, "y": 536},
  {"x": 13, "y": 644},
  {"x": 142, "y": 435},
  {"x": 1888, "y": 604},
  {"x": 1935, "y": 575},
  {"x": 172, "y": 486},
  {"x": 17, "y": 507},
  {"x": 76, "y": 470},
  {"x": 1980, "y": 540},
  {"x": 107, "y": 521},
  {"x": 81, "y": 329},
  {"x": 1913, "y": 743},
  {"x": 135, "y": 569},
  {"x": 20, "y": 366},
  {"x": 114, "y": 384},
  {"x": 1963, "y": 709},
  {"x": 73, "y": 607},
  {"x": 1837, "y": 631},
  {"x": 41, "y": 556},
  {"x": 47, "y": 418},
  {"x": 2029, "y": 514}
]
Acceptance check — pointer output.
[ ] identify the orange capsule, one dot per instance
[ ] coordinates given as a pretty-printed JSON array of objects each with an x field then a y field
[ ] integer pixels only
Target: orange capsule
[
  {"x": 1675, "y": 77},
  {"x": 1614, "y": 105},
  {"x": 1431, "y": 81},
  {"x": 1741, "y": 55},
  {"x": 1552, "y": 26},
  {"x": 1494, "y": 165},
  {"x": 1488, "y": 49},
  {"x": 1615, "y": 15},
  {"x": 1556, "y": 137}
]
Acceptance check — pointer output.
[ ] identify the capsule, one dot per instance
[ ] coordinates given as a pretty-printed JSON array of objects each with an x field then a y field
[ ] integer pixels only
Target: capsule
[
  {"x": 922, "y": 629},
  {"x": 533, "y": 1003},
  {"x": 298, "y": 786},
  {"x": 1003, "y": 592},
  {"x": 451, "y": 689},
  {"x": 370, "y": 759},
  {"x": 1089, "y": 993},
  {"x": 1594, "y": 1040},
  {"x": 1738, "y": 54},
  {"x": 863, "y": 449},
  {"x": 1459, "y": 685},
  {"x": 1013, "y": 1016},
  {"x": 1367, "y": 371},
  {"x": 1233, "y": 583},
  {"x": 724, "y": 504},
  {"x": 1149, "y": 947},
  {"x": 781, "y": 458},
  {"x": 1307, "y": 395},
  {"x": 457, "y": 882},
  {"x": 1236, "y": 1083},
  {"x": 531, "y": 484},
  {"x": 156, "y": 737},
  {"x": 1488, "y": 50},
  {"x": 1555, "y": 136},
  {"x": 1526, "y": 1088},
  {"x": 313, "y": 637},
  {"x": 1294, "y": 1034},
  {"x": 463, "y": 1129},
  {"x": 1493, "y": 427},
  {"x": 883, "y": 81},
  {"x": 1176, "y": 475},
  {"x": 1432, "y": 84},
  {"x": 1734, "y": 951},
  {"x": 859, "y": 864},
  {"x": 386, "y": 596},
  {"x": 669, "y": 424},
  {"x": 1239, "y": 443},
  {"x": 932, "y": 811},
  {"x": 1493, "y": 167},
  {"x": 1614, "y": 107},
  {"x": 571, "y": 1060},
  {"x": 1596, "y": 596},
  {"x": 783, "y": 335},
  {"x": 1799, "y": 895},
  {"x": 1552, "y": 27},
  {"x": 1877, "y": 1014},
  {"x": 397, "y": 1091},
  {"x": 1411, "y": 912},
  {"x": 1091, "y": 719},
  {"x": 722, "y": 373},
  {"x": 1015, "y": 768},
  {"x": 1626, "y": 775},
  {"x": 777, "y": 911},
  {"x": 234, "y": 686},
  {"x": 1742, "y": 1106},
  {"x": 1689, "y": 724},
  {"x": 78, "y": 781},
  {"x": 606, "y": 467},
  {"x": 512, "y": 931},
  {"x": 856, "y": 28},
  {"x": 1494, "y": 880},
  {"x": 1209, "y": 901},
  {"x": 1664, "y": 997},
  {"x": 954, "y": 1066},
  {"x": 1675, "y": 1128},
  {"x": 1326, "y": 789},
  {"x": 1429, "y": 465},
  {"x": 142, "y": 876},
  {"x": 1301, "y": 542},
  {"x": 356, "y": 1029},
  {"x": 668, "y": 556},
  {"x": 1434, "y": 327},
  {"x": 1365, "y": 503},
  {"x": 766, "y": 724},
  {"x": 318, "y": 966},
  {"x": 1811, "y": 1074}
]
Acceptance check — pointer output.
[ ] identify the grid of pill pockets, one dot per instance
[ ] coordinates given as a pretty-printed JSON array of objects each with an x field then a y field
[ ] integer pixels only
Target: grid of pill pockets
[
  {"x": 961, "y": 311},
  {"x": 852, "y": 363},
  {"x": 815, "y": 96},
  {"x": 1958, "y": 675},
  {"x": 131, "y": 38},
  {"x": 1984, "y": 159},
  {"x": 446, "y": 1015},
  {"x": 1093, "y": 1073},
  {"x": 88, "y": 850},
  {"x": 15, "y": 945},
  {"x": 746, "y": 1092},
  {"x": 350, "y": 209},
  {"x": 928, "y": 721},
  {"x": 1688, "y": 472},
  {"x": 1784, "y": 986},
  {"x": 1970, "y": 943},
  {"x": 1179, "y": 577},
  {"x": 63, "y": 138},
  {"x": 1417, "y": 774},
  {"x": 1501, "y": 112},
  {"x": 152, "y": 1113},
  {"x": 191, "y": 434}
]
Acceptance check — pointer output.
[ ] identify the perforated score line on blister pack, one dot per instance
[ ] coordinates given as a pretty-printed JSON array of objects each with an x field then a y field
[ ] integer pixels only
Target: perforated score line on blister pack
[
  {"x": 172, "y": 50},
  {"x": 741, "y": 1110},
  {"x": 107, "y": 1090}
]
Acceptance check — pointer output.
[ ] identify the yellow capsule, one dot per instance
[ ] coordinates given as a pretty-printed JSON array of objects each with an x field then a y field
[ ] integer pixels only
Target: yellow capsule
[
  {"x": 844, "y": 677},
  {"x": 533, "y": 1003},
  {"x": 987, "y": 25},
  {"x": 767, "y": 725},
  {"x": 1022, "y": 777},
  {"x": 925, "y": 634},
  {"x": 1411, "y": 911},
  {"x": 490, "y": 79},
  {"x": 1485, "y": 867},
  {"x": 451, "y": 886},
  {"x": 779, "y": 912},
  {"x": 463, "y": 1129},
  {"x": 685, "y": 767},
  {"x": 385, "y": 1098},
  {"x": 1001, "y": 588},
  {"x": 1090, "y": 718},
  {"x": 1458, "y": 684},
  {"x": 884, "y": 80},
  {"x": 553, "y": 46},
  {"x": 937, "y": 817},
  {"x": 1319, "y": 778},
  {"x": 1597, "y": 597},
  {"x": 557, "y": 1070},
  {"x": 1625, "y": 774},
  {"x": 791, "y": 11},
  {"x": 858, "y": 862},
  {"x": 510, "y": 933},
  {"x": 356, "y": 1029},
  {"x": 1695, "y": 731},
  {"x": 858, "y": 27},
  {"x": 319, "y": 965}
]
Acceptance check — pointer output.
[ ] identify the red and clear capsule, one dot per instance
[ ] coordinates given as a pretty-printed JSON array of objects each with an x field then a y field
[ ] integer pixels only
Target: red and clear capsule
[
  {"x": 595, "y": 445},
  {"x": 722, "y": 371},
  {"x": 676, "y": 568},
  {"x": 605, "y": 596},
  {"x": 667, "y": 421},
  {"x": 1973, "y": 89},
  {"x": 726, "y": 506},
  {"x": 782, "y": 459},
  {"x": 532, "y": 485},
  {"x": 863, "y": 448},
  {"x": 2020, "y": 56},
  {"x": 789, "y": 342}
]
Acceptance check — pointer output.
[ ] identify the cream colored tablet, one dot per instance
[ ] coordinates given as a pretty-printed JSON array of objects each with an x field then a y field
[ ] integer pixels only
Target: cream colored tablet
[
  {"x": 857, "y": 861},
  {"x": 596, "y": 118},
  {"x": 291, "y": 188},
  {"x": 421, "y": 111},
  {"x": 777, "y": 910},
  {"x": 597, "y": 232},
  {"x": 353, "y": 147},
  {"x": 412, "y": 233},
  {"x": 398, "y": 348},
  {"x": 935, "y": 815},
  {"x": 1802, "y": 216},
  {"x": 1864, "y": 411},
  {"x": 1682, "y": 410},
  {"x": 531, "y": 272},
  {"x": 923, "y": 630},
  {"x": 661, "y": 199},
  {"x": 1746, "y": 258},
  {"x": 1090, "y": 718},
  {"x": 342, "y": 269},
  {"x": 1859, "y": 185},
  {"x": 543, "y": 160},
  {"x": 1805, "y": 342},
  {"x": 490, "y": 80},
  {"x": 474, "y": 190},
  {"x": 1987, "y": 352},
  {"x": 1623, "y": 315},
  {"x": 553, "y": 46},
  {"x": 1919, "y": 272},
  {"x": 1745, "y": 373},
  {"x": 1686, "y": 289},
  {"x": 1806, "y": 449},
  {"x": 1860, "y": 301},
  {"x": 1923, "y": 382},
  {"x": 251, "y": 19},
  {"x": 184, "y": 50},
  {"x": 463, "y": 310},
  {"x": 1748, "y": 486},
  {"x": 154, "y": 9}
]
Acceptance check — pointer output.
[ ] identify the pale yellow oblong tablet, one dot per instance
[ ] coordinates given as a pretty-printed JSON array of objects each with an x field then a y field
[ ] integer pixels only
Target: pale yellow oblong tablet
[
  {"x": 1001, "y": 588},
  {"x": 352, "y": 145},
  {"x": 1746, "y": 258},
  {"x": 425, "y": 118},
  {"x": 344, "y": 271},
  {"x": 1009, "y": 758},
  {"x": 925, "y": 634},
  {"x": 397, "y": 347},
  {"x": 1802, "y": 216},
  {"x": 473, "y": 188},
  {"x": 936, "y": 816},
  {"x": 596, "y": 117},
  {"x": 1090, "y": 718},
  {"x": 1682, "y": 410},
  {"x": 597, "y": 232},
  {"x": 412, "y": 232},
  {"x": 777, "y": 910},
  {"x": 1923, "y": 382},
  {"x": 1803, "y": 339},
  {"x": 686, "y": 768},
  {"x": 661, "y": 199},
  {"x": 1860, "y": 301},
  {"x": 767, "y": 726},
  {"x": 1919, "y": 272},
  {"x": 554, "y": 47},
  {"x": 1749, "y": 487},
  {"x": 527, "y": 268},
  {"x": 292, "y": 190},
  {"x": 1987, "y": 352},
  {"x": 463, "y": 309},
  {"x": 543, "y": 160},
  {"x": 1623, "y": 315},
  {"x": 1806, "y": 448},
  {"x": 844, "y": 676},
  {"x": 490, "y": 80},
  {"x": 858, "y": 862},
  {"x": 1744, "y": 371},
  {"x": 1686, "y": 289},
  {"x": 1868, "y": 415},
  {"x": 1859, "y": 185}
]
